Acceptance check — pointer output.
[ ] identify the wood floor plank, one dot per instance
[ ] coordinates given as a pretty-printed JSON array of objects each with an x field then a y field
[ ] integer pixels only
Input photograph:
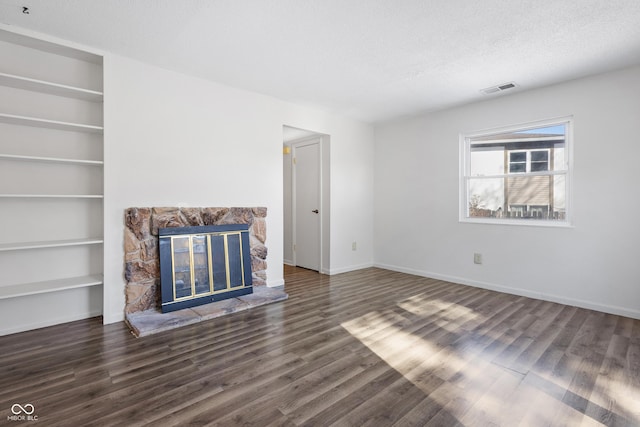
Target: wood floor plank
[
  {"x": 322, "y": 402},
  {"x": 369, "y": 348}
]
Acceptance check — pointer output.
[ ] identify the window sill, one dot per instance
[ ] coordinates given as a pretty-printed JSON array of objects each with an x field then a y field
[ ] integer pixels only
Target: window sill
[{"x": 525, "y": 222}]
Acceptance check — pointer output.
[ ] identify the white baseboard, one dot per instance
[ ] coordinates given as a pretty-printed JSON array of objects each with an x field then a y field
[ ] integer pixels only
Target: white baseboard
[
  {"x": 49, "y": 322},
  {"x": 349, "y": 268},
  {"x": 113, "y": 317},
  {"x": 605, "y": 308},
  {"x": 275, "y": 283}
]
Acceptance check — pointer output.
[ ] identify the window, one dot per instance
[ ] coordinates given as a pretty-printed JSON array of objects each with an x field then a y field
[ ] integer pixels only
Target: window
[
  {"x": 517, "y": 161},
  {"x": 528, "y": 161},
  {"x": 517, "y": 174}
]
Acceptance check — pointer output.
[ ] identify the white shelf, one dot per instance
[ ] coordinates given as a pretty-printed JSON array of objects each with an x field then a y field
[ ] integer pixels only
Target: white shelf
[
  {"x": 50, "y": 88},
  {"x": 49, "y": 244},
  {"x": 51, "y": 159},
  {"x": 49, "y": 47},
  {"x": 52, "y": 196},
  {"x": 24, "y": 289},
  {"x": 50, "y": 124}
]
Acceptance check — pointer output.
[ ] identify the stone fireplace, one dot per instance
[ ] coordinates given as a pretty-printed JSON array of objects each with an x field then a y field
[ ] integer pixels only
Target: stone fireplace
[{"x": 142, "y": 264}]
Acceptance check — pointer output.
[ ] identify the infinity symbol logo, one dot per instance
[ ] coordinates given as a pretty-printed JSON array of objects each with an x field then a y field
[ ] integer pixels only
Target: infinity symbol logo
[{"x": 28, "y": 409}]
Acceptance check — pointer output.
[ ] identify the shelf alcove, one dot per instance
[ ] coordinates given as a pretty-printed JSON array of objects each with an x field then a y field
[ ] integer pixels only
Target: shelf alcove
[{"x": 51, "y": 179}]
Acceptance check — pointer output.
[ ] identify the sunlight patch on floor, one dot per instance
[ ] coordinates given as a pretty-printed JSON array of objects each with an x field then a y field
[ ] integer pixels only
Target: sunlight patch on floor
[
  {"x": 386, "y": 339},
  {"x": 447, "y": 315},
  {"x": 432, "y": 341}
]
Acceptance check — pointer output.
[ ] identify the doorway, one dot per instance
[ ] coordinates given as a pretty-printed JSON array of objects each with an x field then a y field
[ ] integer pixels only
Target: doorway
[{"x": 305, "y": 199}]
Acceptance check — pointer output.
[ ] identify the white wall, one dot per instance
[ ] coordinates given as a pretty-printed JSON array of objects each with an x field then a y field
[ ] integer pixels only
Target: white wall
[
  {"x": 594, "y": 264},
  {"x": 351, "y": 201},
  {"x": 171, "y": 139}
]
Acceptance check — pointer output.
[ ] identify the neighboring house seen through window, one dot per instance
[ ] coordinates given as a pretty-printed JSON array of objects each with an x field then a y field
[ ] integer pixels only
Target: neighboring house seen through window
[{"x": 517, "y": 175}]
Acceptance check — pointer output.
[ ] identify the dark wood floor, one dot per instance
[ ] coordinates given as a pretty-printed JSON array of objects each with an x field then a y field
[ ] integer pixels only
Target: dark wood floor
[{"x": 371, "y": 347}]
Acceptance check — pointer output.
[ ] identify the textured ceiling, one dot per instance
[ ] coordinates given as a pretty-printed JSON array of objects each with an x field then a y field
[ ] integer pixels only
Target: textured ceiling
[{"x": 369, "y": 59}]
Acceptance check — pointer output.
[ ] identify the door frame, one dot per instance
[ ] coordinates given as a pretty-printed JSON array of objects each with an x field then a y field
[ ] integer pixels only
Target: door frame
[{"x": 319, "y": 140}]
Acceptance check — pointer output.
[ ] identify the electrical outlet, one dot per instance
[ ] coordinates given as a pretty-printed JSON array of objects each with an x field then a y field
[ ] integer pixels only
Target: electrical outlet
[
  {"x": 354, "y": 246},
  {"x": 477, "y": 258}
]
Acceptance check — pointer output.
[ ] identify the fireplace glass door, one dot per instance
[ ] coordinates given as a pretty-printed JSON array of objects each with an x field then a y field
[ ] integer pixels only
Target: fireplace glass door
[
  {"x": 200, "y": 265},
  {"x": 182, "y": 266},
  {"x": 190, "y": 266},
  {"x": 203, "y": 264}
]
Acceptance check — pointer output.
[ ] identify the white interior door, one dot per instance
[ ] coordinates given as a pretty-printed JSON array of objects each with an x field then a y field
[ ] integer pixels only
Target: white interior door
[{"x": 306, "y": 194}]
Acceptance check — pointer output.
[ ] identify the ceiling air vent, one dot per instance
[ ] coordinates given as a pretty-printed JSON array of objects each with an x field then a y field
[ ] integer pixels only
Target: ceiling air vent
[{"x": 498, "y": 88}]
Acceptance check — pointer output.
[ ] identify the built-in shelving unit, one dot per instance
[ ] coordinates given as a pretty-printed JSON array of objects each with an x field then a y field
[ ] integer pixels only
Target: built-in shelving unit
[{"x": 51, "y": 150}]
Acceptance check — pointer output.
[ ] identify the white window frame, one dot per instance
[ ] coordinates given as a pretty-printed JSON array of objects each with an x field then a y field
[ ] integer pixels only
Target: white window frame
[{"x": 465, "y": 174}]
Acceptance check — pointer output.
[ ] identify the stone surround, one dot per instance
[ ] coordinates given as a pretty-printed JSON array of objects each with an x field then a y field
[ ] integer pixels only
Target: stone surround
[{"x": 141, "y": 261}]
